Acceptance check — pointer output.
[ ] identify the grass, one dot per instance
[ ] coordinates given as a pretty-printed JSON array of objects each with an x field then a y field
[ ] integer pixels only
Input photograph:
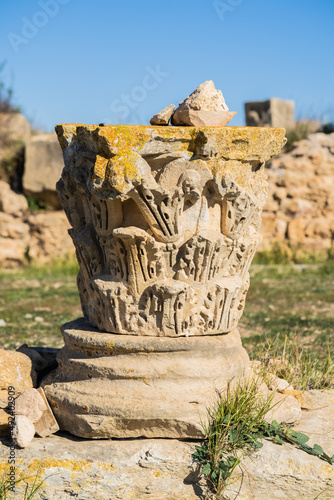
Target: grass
[
  {"x": 302, "y": 368},
  {"x": 289, "y": 312},
  {"x": 235, "y": 426},
  {"x": 290, "y": 303},
  {"x": 29, "y": 492},
  {"x": 35, "y": 301}
]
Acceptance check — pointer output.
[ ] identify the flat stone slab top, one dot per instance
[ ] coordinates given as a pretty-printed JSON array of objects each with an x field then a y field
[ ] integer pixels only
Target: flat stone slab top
[{"x": 163, "y": 469}]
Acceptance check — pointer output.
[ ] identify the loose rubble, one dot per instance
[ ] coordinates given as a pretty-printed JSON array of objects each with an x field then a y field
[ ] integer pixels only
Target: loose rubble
[
  {"x": 163, "y": 117},
  {"x": 205, "y": 107}
]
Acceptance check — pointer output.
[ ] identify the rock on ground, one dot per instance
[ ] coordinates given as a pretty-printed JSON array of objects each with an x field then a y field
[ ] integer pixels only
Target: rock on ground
[
  {"x": 23, "y": 431},
  {"x": 13, "y": 127},
  {"x": 47, "y": 424},
  {"x": 30, "y": 404},
  {"x": 163, "y": 469},
  {"x": 16, "y": 371}
]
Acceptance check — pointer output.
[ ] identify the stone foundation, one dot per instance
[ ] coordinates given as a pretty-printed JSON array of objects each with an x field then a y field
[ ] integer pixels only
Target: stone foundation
[
  {"x": 163, "y": 469},
  {"x": 122, "y": 386}
]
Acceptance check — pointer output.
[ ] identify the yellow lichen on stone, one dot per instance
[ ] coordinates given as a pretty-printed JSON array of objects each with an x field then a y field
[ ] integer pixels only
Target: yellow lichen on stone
[
  {"x": 100, "y": 168},
  {"x": 123, "y": 173},
  {"x": 43, "y": 466},
  {"x": 48, "y": 463},
  {"x": 237, "y": 143}
]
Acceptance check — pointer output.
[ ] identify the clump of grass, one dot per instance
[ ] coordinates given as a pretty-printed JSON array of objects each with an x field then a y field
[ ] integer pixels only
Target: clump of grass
[
  {"x": 29, "y": 492},
  {"x": 236, "y": 424},
  {"x": 300, "y": 367}
]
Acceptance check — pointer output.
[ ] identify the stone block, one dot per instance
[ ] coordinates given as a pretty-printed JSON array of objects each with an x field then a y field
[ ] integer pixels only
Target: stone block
[
  {"x": 110, "y": 385},
  {"x": 49, "y": 236},
  {"x": 47, "y": 424},
  {"x": 13, "y": 127},
  {"x": 43, "y": 167},
  {"x": 10, "y": 202},
  {"x": 16, "y": 371},
  {"x": 31, "y": 404},
  {"x": 272, "y": 113}
]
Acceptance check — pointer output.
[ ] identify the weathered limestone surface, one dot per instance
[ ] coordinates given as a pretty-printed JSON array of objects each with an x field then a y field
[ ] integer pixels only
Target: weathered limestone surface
[
  {"x": 17, "y": 371},
  {"x": 164, "y": 221},
  {"x": 272, "y": 113},
  {"x": 11, "y": 203},
  {"x": 163, "y": 469},
  {"x": 206, "y": 106},
  {"x": 111, "y": 385},
  {"x": 163, "y": 117},
  {"x": 42, "y": 168}
]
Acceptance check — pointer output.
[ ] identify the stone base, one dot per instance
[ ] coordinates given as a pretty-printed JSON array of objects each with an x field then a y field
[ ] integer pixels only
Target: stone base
[
  {"x": 125, "y": 386},
  {"x": 163, "y": 469}
]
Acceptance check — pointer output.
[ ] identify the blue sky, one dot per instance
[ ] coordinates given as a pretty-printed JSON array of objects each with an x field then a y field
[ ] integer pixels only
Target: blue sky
[{"x": 121, "y": 62}]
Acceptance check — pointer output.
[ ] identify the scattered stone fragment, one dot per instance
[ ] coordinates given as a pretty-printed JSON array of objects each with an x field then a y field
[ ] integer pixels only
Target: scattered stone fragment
[
  {"x": 10, "y": 202},
  {"x": 16, "y": 371},
  {"x": 3, "y": 322},
  {"x": 23, "y": 431},
  {"x": 47, "y": 424},
  {"x": 30, "y": 404},
  {"x": 163, "y": 117},
  {"x": 205, "y": 107},
  {"x": 279, "y": 384},
  {"x": 286, "y": 409},
  {"x": 4, "y": 426}
]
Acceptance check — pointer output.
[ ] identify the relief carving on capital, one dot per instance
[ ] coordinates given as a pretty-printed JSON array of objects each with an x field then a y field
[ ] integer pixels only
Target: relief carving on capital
[{"x": 162, "y": 251}]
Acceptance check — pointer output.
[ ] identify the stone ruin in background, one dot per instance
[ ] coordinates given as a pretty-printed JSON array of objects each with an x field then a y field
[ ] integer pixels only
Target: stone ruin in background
[
  {"x": 165, "y": 224},
  {"x": 272, "y": 113}
]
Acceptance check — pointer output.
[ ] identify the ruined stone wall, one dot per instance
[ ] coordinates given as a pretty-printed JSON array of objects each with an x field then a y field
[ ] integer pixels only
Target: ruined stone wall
[{"x": 300, "y": 206}]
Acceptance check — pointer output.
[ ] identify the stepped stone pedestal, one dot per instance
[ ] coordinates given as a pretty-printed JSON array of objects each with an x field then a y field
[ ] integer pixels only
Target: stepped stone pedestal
[{"x": 164, "y": 221}]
